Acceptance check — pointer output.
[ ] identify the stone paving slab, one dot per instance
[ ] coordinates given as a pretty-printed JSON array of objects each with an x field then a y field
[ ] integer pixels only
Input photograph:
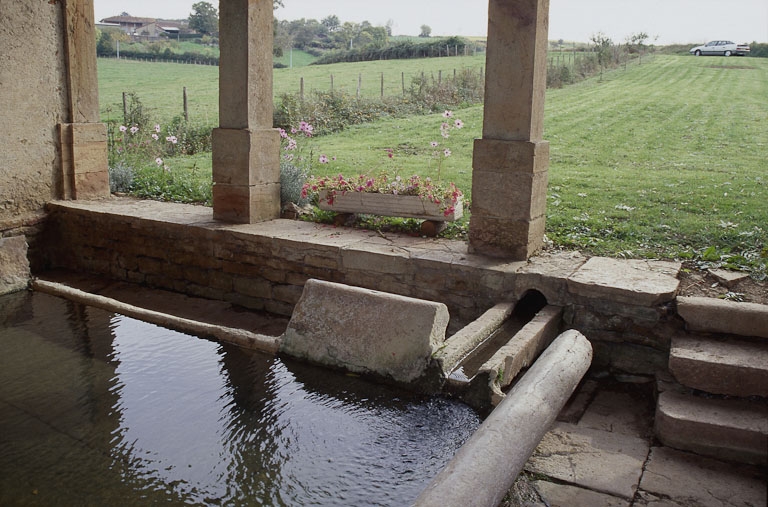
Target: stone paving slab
[
  {"x": 562, "y": 495},
  {"x": 619, "y": 412},
  {"x": 676, "y": 479},
  {"x": 720, "y": 316},
  {"x": 634, "y": 282},
  {"x": 601, "y": 461}
]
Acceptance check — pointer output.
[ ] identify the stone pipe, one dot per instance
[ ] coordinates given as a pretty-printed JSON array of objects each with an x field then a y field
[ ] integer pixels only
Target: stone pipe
[{"x": 486, "y": 466}]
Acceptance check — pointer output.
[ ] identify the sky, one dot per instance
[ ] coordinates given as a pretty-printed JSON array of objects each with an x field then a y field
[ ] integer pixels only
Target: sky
[{"x": 665, "y": 21}]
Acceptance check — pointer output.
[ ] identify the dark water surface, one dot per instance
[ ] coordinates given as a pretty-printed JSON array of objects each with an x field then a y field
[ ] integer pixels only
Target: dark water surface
[{"x": 100, "y": 409}]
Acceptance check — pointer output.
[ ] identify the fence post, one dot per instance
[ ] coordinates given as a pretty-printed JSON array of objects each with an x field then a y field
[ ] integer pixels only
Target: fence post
[
  {"x": 125, "y": 109},
  {"x": 382, "y": 85},
  {"x": 359, "y": 84},
  {"x": 301, "y": 88},
  {"x": 186, "y": 108},
  {"x": 331, "y": 83},
  {"x": 402, "y": 80},
  {"x": 439, "y": 77}
]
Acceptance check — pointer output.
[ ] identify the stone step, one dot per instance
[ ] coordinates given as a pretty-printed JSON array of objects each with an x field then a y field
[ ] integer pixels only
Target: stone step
[
  {"x": 730, "y": 429},
  {"x": 720, "y": 366},
  {"x": 721, "y": 316}
]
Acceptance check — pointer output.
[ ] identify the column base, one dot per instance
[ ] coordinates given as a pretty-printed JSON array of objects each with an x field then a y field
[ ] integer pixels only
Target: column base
[{"x": 246, "y": 204}]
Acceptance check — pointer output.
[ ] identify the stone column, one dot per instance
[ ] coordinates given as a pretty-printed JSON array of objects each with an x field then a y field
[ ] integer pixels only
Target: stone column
[
  {"x": 246, "y": 149},
  {"x": 510, "y": 162},
  {"x": 84, "y": 139}
]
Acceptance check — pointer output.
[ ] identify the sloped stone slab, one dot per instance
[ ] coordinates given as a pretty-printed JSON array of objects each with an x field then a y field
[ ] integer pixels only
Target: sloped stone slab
[
  {"x": 14, "y": 266},
  {"x": 735, "y": 367},
  {"x": 635, "y": 282},
  {"x": 365, "y": 331},
  {"x": 721, "y": 316},
  {"x": 722, "y": 428},
  {"x": 677, "y": 478}
]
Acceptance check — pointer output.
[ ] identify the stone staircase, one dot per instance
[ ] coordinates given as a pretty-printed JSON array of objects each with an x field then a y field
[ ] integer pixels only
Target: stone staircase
[{"x": 718, "y": 402}]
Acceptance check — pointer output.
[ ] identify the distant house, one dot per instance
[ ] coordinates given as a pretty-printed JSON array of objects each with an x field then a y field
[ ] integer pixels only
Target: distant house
[{"x": 147, "y": 28}]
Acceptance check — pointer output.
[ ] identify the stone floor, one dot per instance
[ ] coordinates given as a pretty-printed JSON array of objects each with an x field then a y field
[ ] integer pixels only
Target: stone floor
[{"x": 601, "y": 452}]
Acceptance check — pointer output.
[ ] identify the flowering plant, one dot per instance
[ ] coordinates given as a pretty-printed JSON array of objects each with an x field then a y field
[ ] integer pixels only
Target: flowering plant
[{"x": 447, "y": 196}]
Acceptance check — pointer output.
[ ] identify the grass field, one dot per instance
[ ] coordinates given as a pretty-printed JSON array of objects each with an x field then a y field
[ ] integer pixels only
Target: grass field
[
  {"x": 160, "y": 85},
  {"x": 666, "y": 159}
]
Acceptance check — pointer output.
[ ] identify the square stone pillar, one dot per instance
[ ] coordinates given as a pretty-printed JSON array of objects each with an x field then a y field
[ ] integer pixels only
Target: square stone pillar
[
  {"x": 246, "y": 149},
  {"x": 511, "y": 161},
  {"x": 83, "y": 141}
]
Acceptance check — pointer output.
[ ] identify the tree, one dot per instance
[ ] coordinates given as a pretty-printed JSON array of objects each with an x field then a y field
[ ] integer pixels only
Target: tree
[
  {"x": 204, "y": 19},
  {"x": 603, "y": 45},
  {"x": 426, "y": 31},
  {"x": 331, "y": 22}
]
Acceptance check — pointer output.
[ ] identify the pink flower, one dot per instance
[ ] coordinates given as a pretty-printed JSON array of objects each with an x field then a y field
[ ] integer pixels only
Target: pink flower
[
  {"x": 172, "y": 139},
  {"x": 447, "y": 152},
  {"x": 323, "y": 159},
  {"x": 134, "y": 129},
  {"x": 123, "y": 128},
  {"x": 155, "y": 137},
  {"x": 433, "y": 144},
  {"x": 283, "y": 133},
  {"x": 157, "y": 128},
  {"x": 458, "y": 124},
  {"x": 159, "y": 161},
  {"x": 448, "y": 114},
  {"x": 291, "y": 144}
]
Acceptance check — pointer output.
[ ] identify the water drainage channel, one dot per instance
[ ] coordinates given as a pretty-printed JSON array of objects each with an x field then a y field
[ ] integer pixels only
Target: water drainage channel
[{"x": 479, "y": 362}]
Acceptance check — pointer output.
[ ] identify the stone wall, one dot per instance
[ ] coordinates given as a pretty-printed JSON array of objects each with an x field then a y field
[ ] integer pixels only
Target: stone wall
[
  {"x": 33, "y": 94},
  {"x": 626, "y": 308}
]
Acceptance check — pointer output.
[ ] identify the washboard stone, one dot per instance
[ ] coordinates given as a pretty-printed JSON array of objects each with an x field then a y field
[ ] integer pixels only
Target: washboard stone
[
  {"x": 14, "y": 265},
  {"x": 365, "y": 331}
]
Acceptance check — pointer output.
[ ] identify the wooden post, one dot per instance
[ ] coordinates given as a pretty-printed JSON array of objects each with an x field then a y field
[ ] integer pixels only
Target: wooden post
[
  {"x": 331, "y": 83},
  {"x": 125, "y": 109},
  {"x": 301, "y": 88},
  {"x": 186, "y": 106},
  {"x": 359, "y": 84},
  {"x": 382, "y": 85},
  {"x": 439, "y": 77},
  {"x": 402, "y": 80}
]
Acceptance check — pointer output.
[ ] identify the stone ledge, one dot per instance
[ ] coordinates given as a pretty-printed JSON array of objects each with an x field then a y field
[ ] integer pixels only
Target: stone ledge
[{"x": 721, "y": 316}]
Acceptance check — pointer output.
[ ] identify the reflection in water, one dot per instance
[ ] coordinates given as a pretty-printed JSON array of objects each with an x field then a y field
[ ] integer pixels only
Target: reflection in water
[{"x": 97, "y": 408}]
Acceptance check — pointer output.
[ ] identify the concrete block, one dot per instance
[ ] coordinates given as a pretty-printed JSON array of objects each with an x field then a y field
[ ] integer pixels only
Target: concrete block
[
  {"x": 365, "y": 331},
  {"x": 721, "y": 428},
  {"x": 721, "y": 316},
  {"x": 14, "y": 265},
  {"x": 735, "y": 367}
]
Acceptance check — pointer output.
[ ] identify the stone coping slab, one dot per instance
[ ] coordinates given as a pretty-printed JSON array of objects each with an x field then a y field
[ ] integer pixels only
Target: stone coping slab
[{"x": 632, "y": 282}]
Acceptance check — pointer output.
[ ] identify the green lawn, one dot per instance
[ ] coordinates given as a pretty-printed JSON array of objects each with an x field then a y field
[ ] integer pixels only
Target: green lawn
[
  {"x": 665, "y": 159},
  {"x": 160, "y": 85}
]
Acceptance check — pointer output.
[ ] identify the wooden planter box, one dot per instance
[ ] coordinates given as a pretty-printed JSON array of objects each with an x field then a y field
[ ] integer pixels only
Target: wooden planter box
[{"x": 388, "y": 205}]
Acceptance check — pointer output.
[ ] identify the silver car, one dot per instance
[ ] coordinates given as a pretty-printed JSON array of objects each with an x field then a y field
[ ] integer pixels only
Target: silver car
[{"x": 722, "y": 48}]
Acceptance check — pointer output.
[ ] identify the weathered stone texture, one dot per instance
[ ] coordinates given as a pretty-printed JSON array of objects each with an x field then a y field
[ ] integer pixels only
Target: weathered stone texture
[
  {"x": 14, "y": 266},
  {"x": 365, "y": 331},
  {"x": 265, "y": 266},
  {"x": 34, "y": 99}
]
